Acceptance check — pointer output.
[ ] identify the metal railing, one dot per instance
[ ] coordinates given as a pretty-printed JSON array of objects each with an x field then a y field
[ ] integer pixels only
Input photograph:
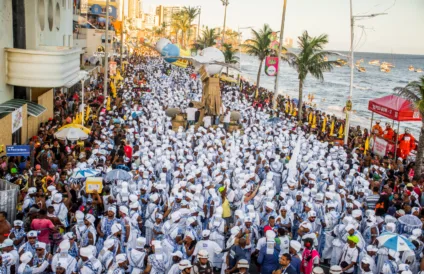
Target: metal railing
[{"x": 9, "y": 199}]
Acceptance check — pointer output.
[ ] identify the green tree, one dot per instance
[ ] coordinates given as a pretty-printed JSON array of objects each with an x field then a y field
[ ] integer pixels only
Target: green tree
[
  {"x": 191, "y": 13},
  {"x": 259, "y": 46},
  {"x": 414, "y": 91},
  {"x": 230, "y": 55},
  {"x": 207, "y": 39},
  {"x": 310, "y": 59}
]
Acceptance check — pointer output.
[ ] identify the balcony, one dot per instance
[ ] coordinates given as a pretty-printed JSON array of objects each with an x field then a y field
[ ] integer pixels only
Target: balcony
[{"x": 44, "y": 67}]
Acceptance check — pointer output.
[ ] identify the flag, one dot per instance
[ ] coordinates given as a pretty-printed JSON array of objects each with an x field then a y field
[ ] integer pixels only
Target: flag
[
  {"x": 310, "y": 117},
  {"x": 113, "y": 88},
  {"x": 314, "y": 122},
  {"x": 332, "y": 128},
  {"x": 324, "y": 124},
  {"x": 108, "y": 104},
  {"x": 87, "y": 113},
  {"x": 341, "y": 131},
  {"x": 367, "y": 144}
]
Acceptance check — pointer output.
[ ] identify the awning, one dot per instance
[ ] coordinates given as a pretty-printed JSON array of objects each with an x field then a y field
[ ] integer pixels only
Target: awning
[
  {"x": 394, "y": 108},
  {"x": 34, "y": 109},
  {"x": 82, "y": 74}
]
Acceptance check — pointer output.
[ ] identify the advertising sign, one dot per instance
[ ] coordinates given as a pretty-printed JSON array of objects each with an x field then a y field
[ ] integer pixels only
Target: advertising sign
[
  {"x": 94, "y": 185},
  {"x": 84, "y": 6},
  {"x": 112, "y": 68},
  {"x": 16, "y": 119},
  {"x": 18, "y": 151},
  {"x": 271, "y": 65},
  {"x": 380, "y": 146}
]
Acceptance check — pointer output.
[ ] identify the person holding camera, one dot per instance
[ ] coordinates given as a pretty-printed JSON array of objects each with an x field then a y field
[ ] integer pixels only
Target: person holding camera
[{"x": 350, "y": 254}]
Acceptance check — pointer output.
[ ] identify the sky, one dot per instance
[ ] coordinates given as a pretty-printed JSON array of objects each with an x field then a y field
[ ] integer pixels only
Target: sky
[{"x": 400, "y": 31}]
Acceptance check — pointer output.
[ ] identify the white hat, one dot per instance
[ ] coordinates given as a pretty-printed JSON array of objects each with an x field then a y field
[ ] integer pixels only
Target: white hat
[
  {"x": 312, "y": 214},
  {"x": 206, "y": 233},
  {"x": 57, "y": 198},
  {"x": 318, "y": 270},
  {"x": 89, "y": 217},
  {"x": 18, "y": 223},
  {"x": 115, "y": 228},
  {"x": 184, "y": 264},
  {"x": 120, "y": 258},
  {"x": 295, "y": 245},
  {"x": 6, "y": 243},
  {"x": 64, "y": 245},
  {"x": 177, "y": 253},
  {"x": 349, "y": 227},
  {"x": 203, "y": 254},
  {"x": 26, "y": 257},
  {"x": 123, "y": 209},
  {"x": 40, "y": 245},
  {"x": 393, "y": 253},
  {"x": 108, "y": 243},
  {"x": 86, "y": 252},
  {"x": 335, "y": 269},
  {"x": 32, "y": 233},
  {"x": 243, "y": 263},
  {"x": 270, "y": 205},
  {"x": 140, "y": 242},
  {"x": 366, "y": 260},
  {"x": 32, "y": 190},
  {"x": 403, "y": 267},
  {"x": 176, "y": 216},
  {"x": 112, "y": 208},
  {"x": 270, "y": 235}
]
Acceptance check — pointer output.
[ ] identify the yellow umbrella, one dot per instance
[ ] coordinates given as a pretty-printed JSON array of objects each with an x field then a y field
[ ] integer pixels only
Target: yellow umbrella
[
  {"x": 332, "y": 128},
  {"x": 83, "y": 128}
]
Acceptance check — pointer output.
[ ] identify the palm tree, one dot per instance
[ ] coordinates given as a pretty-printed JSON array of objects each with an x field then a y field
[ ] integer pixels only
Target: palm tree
[
  {"x": 259, "y": 46},
  {"x": 310, "y": 59},
  {"x": 191, "y": 13},
  {"x": 207, "y": 39},
  {"x": 414, "y": 92},
  {"x": 230, "y": 55}
]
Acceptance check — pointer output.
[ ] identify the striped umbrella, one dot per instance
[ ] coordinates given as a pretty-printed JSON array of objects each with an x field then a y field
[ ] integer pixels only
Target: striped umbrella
[{"x": 395, "y": 241}]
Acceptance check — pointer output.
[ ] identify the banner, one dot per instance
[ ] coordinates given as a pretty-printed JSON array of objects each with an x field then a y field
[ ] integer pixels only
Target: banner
[
  {"x": 16, "y": 119},
  {"x": 18, "y": 151},
  {"x": 94, "y": 185},
  {"x": 271, "y": 65},
  {"x": 84, "y": 6},
  {"x": 380, "y": 146},
  {"x": 112, "y": 68}
]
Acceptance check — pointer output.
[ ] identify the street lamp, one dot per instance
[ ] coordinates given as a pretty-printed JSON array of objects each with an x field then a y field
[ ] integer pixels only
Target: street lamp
[
  {"x": 106, "y": 50},
  {"x": 349, "y": 102},
  {"x": 280, "y": 48},
  {"x": 225, "y": 3}
]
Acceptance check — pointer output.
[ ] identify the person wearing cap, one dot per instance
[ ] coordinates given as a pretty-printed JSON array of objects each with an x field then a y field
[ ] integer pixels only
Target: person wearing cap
[
  {"x": 116, "y": 236},
  {"x": 391, "y": 264},
  {"x": 41, "y": 255},
  {"x": 203, "y": 264},
  {"x": 243, "y": 267},
  {"x": 104, "y": 227},
  {"x": 238, "y": 251},
  {"x": 211, "y": 247},
  {"x": 376, "y": 129},
  {"x": 218, "y": 228},
  {"x": 150, "y": 215},
  {"x": 88, "y": 263},
  {"x": 406, "y": 144},
  {"x": 105, "y": 255},
  {"x": 25, "y": 268},
  {"x": 350, "y": 254},
  {"x": 295, "y": 253},
  {"x": 176, "y": 259},
  {"x": 120, "y": 266},
  {"x": 29, "y": 246},
  {"x": 29, "y": 199},
  {"x": 63, "y": 258},
  {"x": 7, "y": 248},
  {"x": 17, "y": 233},
  {"x": 157, "y": 262},
  {"x": 310, "y": 257},
  {"x": 269, "y": 254}
]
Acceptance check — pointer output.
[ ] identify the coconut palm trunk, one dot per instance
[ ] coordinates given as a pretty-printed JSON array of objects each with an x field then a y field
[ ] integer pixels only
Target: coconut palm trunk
[
  {"x": 299, "y": 107},
  {"x": 258, "y": 79},
  {"x": 420, "y": 154}
]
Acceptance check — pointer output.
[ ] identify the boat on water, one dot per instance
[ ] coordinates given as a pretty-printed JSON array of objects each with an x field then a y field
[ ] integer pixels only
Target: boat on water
[
  {"x": 419, "y": 70},
  {"x": 341, "y": 62},
  {"x": 361, "y": 69},
  {"x": 374, "y": 62},
  {"x": 411, "y": 68},
  {"x": 387, "y": 64}
]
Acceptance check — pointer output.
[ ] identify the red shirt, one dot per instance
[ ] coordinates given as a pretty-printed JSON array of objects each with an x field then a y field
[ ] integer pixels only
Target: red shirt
[{"x": 44, "y": 226}]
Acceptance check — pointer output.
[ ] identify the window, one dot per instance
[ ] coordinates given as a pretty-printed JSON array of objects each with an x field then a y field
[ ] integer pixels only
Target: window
[{"x": 50, "y": 14}]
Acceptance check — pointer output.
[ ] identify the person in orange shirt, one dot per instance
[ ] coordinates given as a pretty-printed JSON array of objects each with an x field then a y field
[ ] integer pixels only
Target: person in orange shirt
[
  {"x": 406, "y": 144},
  {"x": 376, "y": 129},
  {"x": 388, "y": 133}
]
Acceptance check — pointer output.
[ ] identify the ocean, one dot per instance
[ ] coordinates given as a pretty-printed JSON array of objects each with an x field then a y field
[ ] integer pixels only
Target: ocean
[{"x": 331, "y": 94}]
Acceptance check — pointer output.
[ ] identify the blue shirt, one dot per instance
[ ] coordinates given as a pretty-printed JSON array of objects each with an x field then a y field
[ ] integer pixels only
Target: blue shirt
[{"x": 295, "y": 262}]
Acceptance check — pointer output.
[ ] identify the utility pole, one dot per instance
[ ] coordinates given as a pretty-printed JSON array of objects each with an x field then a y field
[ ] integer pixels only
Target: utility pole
[
  {"x": 280, "y": 48},
  {"x": 106, "y": 64},
  {"x": 122, "y": 36},
  {"x": 225, "y": 3},
  {"x": 349, "y": 102},
  {"x": 198, "y": 25}
]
